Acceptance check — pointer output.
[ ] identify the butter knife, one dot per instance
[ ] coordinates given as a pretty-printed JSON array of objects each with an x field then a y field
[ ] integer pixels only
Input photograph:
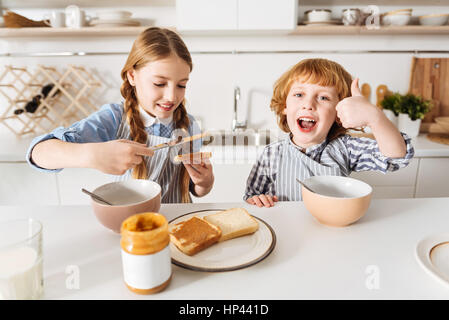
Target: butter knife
[{"x": 179, "y": 140}]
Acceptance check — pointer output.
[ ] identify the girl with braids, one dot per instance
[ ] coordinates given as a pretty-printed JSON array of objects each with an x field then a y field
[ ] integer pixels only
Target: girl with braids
[{"x": 116, "y": 139}]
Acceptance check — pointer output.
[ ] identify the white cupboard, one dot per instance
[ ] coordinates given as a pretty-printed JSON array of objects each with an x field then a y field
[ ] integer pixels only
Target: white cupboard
[
  {"x": 398, "y": 184},
  {"x": 21, "y": 184},
  {"x": 206, "y": 14},
  {"x": 72, "y": 180},
  {"x": 267, "y": 14},
  {"x": 230, "y": 183},
  {"x": 433, "y": 178},
  {"x": 218, "y": 15}
]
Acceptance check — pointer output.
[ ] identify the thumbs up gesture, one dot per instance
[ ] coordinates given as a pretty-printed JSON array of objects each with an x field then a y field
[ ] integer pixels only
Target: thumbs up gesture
[{"x": 356, "y": 111}]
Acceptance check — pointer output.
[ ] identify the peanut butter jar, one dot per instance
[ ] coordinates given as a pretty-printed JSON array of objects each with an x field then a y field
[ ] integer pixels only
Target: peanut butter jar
[{"x": 146, "y": 253}]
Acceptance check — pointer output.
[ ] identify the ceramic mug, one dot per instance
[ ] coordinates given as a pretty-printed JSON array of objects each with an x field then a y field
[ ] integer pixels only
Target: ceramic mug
[
  {"x": 55, "y": 19},
  {"x": 75, "y": 17},
  {"x": 351, "y": 17}
]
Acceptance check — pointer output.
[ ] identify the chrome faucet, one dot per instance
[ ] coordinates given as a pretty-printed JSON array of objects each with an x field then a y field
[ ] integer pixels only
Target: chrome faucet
[{"x": 236, "y": 124}]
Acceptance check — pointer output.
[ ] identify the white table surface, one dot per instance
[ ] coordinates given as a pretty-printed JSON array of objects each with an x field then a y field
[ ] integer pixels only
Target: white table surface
[{"x": 310, "y": 261}]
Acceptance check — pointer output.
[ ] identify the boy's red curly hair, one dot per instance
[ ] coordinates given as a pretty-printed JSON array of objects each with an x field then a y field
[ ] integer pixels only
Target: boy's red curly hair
[{"x": 321, "y": 72}]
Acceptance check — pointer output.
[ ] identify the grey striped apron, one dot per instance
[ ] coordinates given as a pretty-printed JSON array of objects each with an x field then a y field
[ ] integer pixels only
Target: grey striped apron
[
  {"x": 297, "y": 165},
  {"x": 161, "y": 168}
]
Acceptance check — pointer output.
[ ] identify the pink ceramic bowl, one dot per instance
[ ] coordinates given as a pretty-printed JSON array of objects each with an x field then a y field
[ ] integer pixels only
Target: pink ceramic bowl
[
  {"x": 128, "y": 197},
  {"x": 337, "y": 201}
]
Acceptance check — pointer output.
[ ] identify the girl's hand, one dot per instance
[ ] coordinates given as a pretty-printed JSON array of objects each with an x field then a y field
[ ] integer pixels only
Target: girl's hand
[
  {"x": 117, "y": 156},
  {"x": 356, "y": 111},
  {"x": 263, "y": 200},
  {"x": 201, "y": 175}
]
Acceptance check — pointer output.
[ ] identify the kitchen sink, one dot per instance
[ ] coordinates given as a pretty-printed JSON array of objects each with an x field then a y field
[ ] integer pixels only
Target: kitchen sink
[{"x": 239, "y": 138}]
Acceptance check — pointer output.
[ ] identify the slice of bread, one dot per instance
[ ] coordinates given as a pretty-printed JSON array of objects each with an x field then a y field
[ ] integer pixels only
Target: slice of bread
[
  {"x": 193, "y": 158},
  {"x": 233, "y": 223},
  {"x": 193, "y": 235}
]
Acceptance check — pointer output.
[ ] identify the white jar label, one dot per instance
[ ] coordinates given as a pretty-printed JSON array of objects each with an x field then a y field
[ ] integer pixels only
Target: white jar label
[{"x": 146, "y": 271}]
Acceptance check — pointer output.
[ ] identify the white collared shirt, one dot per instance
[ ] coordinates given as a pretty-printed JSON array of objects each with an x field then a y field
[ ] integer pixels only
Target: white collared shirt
[{"x": 148, "y": 120}]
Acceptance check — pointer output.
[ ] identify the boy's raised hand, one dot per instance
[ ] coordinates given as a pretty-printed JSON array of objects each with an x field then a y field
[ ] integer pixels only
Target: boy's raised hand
[
  {"x": 356, "y": 111},
  {"x": 117, "y": 156}
]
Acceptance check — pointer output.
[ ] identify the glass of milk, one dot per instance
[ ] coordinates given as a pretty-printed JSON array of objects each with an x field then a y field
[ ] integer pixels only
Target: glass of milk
[{"x": 21, "y": 274}]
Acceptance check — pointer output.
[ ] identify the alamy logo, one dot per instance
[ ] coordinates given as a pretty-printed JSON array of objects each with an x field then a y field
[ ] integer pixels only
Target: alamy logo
[
  {"x": 72, "y": 282},
  {"x": 373, "y": 20},
  {"x": 372, "y": 281}
]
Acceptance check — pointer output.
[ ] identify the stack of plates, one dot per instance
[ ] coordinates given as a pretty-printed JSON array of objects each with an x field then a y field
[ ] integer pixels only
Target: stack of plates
[
  {"x": 322, "y": 23},
  {"x": 115, "y": 23},
  {"x": 114, "y": 18}
]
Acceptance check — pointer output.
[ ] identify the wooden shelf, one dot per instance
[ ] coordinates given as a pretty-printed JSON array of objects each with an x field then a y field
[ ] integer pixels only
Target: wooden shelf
[
  {"x": 361, "y": 3},
  {"x": 300, "y": 30},
  {"x": 68, "y": 32},
  {"x": 12, "y": 4}
]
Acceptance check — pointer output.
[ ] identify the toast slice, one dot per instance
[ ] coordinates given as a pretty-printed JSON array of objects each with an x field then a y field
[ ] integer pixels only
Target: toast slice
[
  {"x": 193, "y": 235},
  {"x": 233, "y": 223},
  {"x": 194, "y": 158}
]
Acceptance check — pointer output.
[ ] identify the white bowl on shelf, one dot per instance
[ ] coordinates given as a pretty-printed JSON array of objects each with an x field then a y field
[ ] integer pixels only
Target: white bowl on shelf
[
  {"x": 318, "y": 15},
  {"x": 399, "y": 11},
  {"x": 396, "y": 20},
  {"x": 128, "y": 22},
  {"x": 434, "y": 19}
]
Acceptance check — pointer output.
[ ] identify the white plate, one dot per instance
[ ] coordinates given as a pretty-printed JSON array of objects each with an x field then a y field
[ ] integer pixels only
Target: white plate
[
  {"x": 97, "y": 22},
  {"x": 432, "y": 254},
  {"x": 234, "y": 254},
  {"x": 109, "y": 25}
]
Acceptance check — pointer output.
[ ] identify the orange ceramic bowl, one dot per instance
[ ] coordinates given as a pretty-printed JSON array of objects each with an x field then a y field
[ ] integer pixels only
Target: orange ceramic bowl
[
  {"x": 337, "y": 201},
  {"x": 128, "y": 197}
]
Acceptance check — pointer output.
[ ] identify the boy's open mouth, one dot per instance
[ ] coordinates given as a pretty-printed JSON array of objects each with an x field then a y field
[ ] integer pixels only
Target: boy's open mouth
[{"x": 306, "y": 124}]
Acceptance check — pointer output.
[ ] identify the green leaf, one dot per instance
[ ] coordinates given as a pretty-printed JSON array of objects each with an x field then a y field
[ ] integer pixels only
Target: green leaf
[{"x": 415, "y": 106}]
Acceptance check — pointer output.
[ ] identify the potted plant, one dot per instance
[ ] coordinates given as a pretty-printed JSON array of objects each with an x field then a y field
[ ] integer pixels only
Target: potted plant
[
  {"x": 412, "y": 111},
  {"x": 406, "y": 111},
  {"x": 391, "y": 105}
]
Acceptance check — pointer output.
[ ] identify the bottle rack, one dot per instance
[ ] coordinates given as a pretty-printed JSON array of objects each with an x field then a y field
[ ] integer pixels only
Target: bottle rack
[{"x": 39, "y": 99}]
